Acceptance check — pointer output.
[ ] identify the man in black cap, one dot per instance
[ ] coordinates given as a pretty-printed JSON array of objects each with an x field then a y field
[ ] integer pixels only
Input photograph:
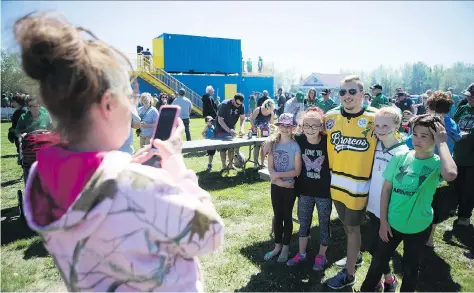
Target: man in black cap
[
  {"x": 326, "y": 103},
  {"x": 404, "y": 103},
  {"x": 379, "y": 100}
]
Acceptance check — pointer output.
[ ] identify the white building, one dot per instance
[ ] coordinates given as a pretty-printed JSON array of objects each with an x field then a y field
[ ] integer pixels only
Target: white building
[{"x": 320, "y": 81}]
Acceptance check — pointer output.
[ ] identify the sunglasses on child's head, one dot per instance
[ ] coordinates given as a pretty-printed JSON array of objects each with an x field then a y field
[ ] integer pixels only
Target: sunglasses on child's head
[{"x": 352, "y": 92}]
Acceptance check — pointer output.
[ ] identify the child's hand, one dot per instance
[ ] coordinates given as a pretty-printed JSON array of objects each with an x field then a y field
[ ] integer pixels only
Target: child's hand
[
  {"x": 440, "y": 134},
  {"x": 385, "y": 230},
  {"x": 285, "y": 184},
  {"x": 274, "y": 176}
]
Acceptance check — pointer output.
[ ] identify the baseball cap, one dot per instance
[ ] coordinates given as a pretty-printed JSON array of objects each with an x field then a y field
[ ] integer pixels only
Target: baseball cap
[
  {"x": 325, "y": 91},
  {"x": 286, "y": 119},
  {"x": 300, "y": 96},
  {"x": 376, "y": 86},
  {"x": 209, "y": 118},
  {"x": 450, "y": 89},
  {"x": 402, "y": 94},
  {"x": 181, "y": 92},
  {"x": 469, "y": 90}
]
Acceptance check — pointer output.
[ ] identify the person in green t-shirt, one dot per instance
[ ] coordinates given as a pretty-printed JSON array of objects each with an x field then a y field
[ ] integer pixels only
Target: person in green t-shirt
[
  {"x": 36, "y": 118},
  {"x": 378, "y": 99},
  {"x": 406, "y": 214},
  {"x": 325, "y": 103}
]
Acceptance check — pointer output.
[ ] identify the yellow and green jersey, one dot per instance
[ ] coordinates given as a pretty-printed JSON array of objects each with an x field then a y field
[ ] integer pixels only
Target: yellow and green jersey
[{"x": 351, "y": 147}]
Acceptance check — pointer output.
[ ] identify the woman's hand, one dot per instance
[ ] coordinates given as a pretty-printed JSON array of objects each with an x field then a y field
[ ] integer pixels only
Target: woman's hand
[
  {"x": 143, "y": 155},
  {"x": 385, "y": 230}
]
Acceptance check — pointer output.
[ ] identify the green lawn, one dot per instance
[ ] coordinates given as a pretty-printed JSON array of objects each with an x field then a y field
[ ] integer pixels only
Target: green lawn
[{"x": 244, "y": 204}]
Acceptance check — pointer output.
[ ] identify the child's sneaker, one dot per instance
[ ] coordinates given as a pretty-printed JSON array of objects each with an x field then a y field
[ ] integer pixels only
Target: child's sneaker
[
  {"x": 379, "y": 287},
  {"x": 296, "y": 260},
  {"x": 342, "y": 262},
  {"x": 209, "y": 167},
  {"x": 341, "y": 280},
  {"x": 319, "y": 262},
  {"x": 390, "y": 286}
]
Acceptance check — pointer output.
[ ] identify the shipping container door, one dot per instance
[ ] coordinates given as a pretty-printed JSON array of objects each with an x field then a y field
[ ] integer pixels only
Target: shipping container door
[
  {"x": 230, "y": 90},
  {"x": 158, "y": 53}
]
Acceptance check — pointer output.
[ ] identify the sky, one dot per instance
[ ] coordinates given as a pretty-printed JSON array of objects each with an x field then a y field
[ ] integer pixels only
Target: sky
[{"x": 308, "y": 36}]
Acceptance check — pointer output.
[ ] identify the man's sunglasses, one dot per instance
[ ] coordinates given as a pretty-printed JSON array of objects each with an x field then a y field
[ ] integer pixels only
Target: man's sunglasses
[{"x": 352, "y": 92}]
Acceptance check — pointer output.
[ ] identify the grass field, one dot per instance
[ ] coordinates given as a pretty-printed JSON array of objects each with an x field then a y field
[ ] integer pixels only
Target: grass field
[{"x": 244, "y": 204}]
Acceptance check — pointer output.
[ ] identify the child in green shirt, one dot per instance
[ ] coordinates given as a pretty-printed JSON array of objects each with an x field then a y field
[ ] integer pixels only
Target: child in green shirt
[{"x": 406, "y": 214}]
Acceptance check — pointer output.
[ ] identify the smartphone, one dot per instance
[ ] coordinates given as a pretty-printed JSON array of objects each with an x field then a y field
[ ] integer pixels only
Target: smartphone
[{"x": 167, "y": 121}]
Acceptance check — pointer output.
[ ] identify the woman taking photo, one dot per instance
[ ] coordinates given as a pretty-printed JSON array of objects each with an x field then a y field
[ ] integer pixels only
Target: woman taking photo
[
  {"x": 148, "y": 117},
  {"x": 109, "y": 222}
]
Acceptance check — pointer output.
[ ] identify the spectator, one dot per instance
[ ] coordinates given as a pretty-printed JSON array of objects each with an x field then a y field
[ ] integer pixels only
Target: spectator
[
  {"x": 263, "y": 98},
  {"x": 36, "y": 118},
  {"x": 252, "y": 104},
  {"x": 207, "y": 133},
  {"x": 326, "y": 103},
  {"x": 404, "y": 103},
  {"x": 464, "y": 158},
  {"x": 421, "y": 106},
  {"x": 262, "y": 118},
  {"x": 101, "y": 214},
  {"x": 229, "y": 113},
  {"x": 19, "y": 104},
  {"x": 162, "y": 101},
  {"x": 147, "y": 59},
  {"x": 5, "y": 101},
  {"x": 171, "y": 98},
  {"x": 367, "y": 100},
  {"x": 400, "y": 90},
  {"x": 295, "y": 105},
  {"x": 378, "y": 99},
  {"x": 260, "y": 64},
  {"x": 310, "y": 100},
  {"x": 281, "y": 100},
  {"x": 249, "y": 66},
  {"x": 148, "y": 118},
  {"x": 134, "y": 124},
  {"x": 186, "y": 109},
  {"x": 209, "y": 107}
]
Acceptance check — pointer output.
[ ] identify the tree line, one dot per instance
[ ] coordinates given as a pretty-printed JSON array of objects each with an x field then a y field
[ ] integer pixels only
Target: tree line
[
  {"x": 418, "y": 77},
  {"x": 414, "y": 78}
]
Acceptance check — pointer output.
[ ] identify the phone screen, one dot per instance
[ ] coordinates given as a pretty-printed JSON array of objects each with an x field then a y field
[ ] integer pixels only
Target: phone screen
[{"x": 165, "y": 123}]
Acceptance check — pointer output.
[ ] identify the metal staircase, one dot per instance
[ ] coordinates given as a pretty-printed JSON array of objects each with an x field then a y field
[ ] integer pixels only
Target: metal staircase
[{"x": 165, "y": 82}]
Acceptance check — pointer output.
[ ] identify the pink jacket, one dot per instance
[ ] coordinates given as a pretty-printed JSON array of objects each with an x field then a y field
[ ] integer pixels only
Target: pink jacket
[{"x": 112, "y": 225}]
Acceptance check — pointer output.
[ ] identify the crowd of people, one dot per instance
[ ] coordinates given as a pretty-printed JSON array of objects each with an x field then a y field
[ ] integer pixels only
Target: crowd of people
[{"x": 112, "y": 223}]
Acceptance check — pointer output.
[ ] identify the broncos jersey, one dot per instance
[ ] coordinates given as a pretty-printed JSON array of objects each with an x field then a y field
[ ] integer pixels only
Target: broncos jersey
[{"x": 351, "y": 147}]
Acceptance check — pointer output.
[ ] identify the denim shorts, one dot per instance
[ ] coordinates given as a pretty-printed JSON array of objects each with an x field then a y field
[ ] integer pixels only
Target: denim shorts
[{"x": 223, "y": 135}]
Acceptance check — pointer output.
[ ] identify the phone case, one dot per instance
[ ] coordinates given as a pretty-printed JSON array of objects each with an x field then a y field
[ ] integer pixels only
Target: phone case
[{"x": 175, "y": 123}]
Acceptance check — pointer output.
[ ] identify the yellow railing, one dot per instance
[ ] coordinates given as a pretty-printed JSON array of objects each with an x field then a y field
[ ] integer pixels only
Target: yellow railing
[{"x": 145, "y": 64}]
